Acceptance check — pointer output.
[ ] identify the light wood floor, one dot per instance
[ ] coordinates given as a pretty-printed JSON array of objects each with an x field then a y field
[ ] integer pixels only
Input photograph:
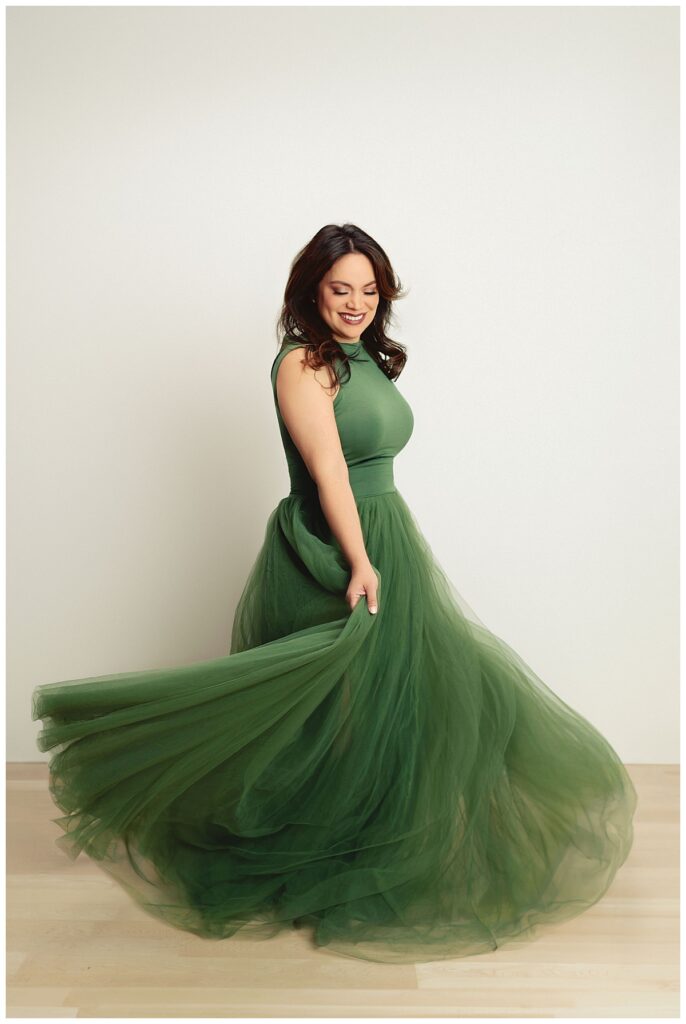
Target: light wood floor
[{"x": 78, "y": 946}]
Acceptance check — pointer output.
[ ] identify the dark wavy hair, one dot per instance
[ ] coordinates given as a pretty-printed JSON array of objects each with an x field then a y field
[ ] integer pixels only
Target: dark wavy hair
[{"x": 300, "y": 318}]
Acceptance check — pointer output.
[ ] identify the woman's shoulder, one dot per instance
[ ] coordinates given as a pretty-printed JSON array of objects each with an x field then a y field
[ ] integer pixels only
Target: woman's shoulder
[
  {"x": 291, "y": 345},
  {"x": 288, "y": 344}
]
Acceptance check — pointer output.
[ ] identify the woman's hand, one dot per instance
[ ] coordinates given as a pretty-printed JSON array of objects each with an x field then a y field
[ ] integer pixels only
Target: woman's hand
[{"x": 363, "y": 581}]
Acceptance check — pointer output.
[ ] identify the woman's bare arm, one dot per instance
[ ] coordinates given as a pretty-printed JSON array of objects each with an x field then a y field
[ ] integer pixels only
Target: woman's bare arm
[{"x": 306, "y": 406}]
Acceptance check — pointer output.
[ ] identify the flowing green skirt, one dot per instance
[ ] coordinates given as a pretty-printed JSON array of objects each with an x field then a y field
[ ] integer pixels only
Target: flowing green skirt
[{"x": 401, "y": 783}]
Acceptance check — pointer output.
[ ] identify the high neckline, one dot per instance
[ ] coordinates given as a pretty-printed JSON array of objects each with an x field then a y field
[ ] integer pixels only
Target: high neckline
[{"x": 351, "y": 345}]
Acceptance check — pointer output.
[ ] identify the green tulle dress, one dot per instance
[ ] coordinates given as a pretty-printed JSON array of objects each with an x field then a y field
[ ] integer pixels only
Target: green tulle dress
[{"x": 401, "y": 784}]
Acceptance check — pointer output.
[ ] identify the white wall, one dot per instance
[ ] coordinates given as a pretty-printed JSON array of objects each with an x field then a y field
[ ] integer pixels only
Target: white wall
[{"x": 520, "y": 167}]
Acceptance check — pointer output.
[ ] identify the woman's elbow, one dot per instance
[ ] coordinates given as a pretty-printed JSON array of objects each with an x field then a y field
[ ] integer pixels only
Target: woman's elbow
[{"x": 329, "y": 471}]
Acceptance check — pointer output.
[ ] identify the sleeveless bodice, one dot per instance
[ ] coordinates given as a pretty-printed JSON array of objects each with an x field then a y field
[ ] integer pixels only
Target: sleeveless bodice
[{"x": 374, "y": 423}]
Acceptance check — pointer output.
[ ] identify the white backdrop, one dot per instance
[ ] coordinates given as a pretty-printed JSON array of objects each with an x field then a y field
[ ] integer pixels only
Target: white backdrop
[{"x": 519, "y": 166}]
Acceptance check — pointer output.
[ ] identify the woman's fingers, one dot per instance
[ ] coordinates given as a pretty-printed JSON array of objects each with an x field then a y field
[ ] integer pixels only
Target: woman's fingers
[{"x": 363, "y": 584}]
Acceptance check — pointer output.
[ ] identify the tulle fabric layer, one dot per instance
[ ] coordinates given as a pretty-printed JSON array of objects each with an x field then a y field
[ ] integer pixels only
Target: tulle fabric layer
[{"x": 401, "y": 784}]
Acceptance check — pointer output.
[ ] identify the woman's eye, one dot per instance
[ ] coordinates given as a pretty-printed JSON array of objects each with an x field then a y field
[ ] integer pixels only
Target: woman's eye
[{"x": 345, "y": 293}]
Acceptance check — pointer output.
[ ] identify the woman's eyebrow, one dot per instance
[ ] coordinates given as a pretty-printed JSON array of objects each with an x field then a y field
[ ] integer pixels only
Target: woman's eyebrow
[{"x": 350, "y": 286}]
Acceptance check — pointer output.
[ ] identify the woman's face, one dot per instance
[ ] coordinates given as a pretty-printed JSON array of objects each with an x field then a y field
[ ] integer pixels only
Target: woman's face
[{"x": 347, "y": 296}]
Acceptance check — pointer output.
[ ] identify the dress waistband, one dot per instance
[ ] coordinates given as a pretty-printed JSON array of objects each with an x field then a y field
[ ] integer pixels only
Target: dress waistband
[{"x": 366, "y": 480}]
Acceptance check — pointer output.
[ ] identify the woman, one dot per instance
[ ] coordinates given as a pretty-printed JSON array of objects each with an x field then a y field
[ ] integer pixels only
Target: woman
[{"x": 369, "y": 760}]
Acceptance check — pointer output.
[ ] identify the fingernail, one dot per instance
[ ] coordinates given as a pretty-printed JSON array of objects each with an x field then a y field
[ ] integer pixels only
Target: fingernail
[{"x": 373, "y": 609}]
